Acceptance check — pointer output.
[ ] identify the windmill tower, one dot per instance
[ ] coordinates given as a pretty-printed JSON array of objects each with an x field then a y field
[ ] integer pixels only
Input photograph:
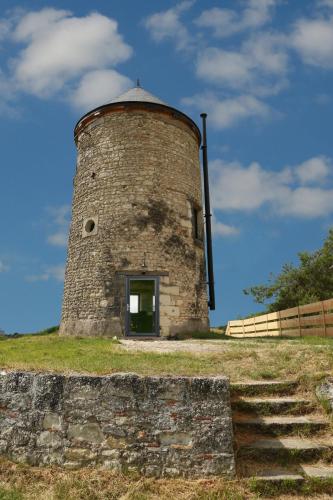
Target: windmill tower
[{"x": 136, "y": 253}]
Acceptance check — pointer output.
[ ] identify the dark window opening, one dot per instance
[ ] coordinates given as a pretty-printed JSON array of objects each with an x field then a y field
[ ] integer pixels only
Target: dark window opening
[
  {"x": 90, "y": 225},
  {"x": 197, "y": 223}
]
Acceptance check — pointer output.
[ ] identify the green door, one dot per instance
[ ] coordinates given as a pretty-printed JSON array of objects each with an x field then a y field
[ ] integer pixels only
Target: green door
[{"x": 142, "y": 318}]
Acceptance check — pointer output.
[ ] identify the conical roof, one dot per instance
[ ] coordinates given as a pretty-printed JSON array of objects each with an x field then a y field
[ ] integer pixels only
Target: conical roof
[
  {"x": 138, "y": 94},
  {"x": 134, "y": 95}
]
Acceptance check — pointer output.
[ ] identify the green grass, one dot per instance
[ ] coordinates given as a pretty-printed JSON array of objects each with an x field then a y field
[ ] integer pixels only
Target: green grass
[
  {"x": 308, "y": 489},
  {"x": 316, "y": 341},
  {"x": 100, "y": 356},
  {"x": 10, "y": 494},
  {"x": 238, "y": 359}
]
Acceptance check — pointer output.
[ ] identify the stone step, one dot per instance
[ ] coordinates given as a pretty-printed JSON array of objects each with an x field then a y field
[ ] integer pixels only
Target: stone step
[
  {"x": 318, "y": 471},
  {"x": 291, "y": 449},
  {"x": 263, "y": 387},
  {"x": 276, "y": 475},
  {"x": 275, "y": 482},
  {"x": 313, "y": 481},
  {"x": 267, "y": 406},
  {"x": 279, "y": 424}
]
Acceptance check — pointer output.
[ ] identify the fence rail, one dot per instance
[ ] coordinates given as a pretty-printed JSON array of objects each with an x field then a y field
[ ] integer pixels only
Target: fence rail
[{"x": 312, "y": 319}]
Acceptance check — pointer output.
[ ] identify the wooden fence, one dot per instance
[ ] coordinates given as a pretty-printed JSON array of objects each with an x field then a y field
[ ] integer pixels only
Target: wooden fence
[{"x": 312, "y": 319}]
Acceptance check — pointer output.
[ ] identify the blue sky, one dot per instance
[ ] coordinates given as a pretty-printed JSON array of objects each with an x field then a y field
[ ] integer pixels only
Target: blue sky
[{"x": 261, "y": 69}]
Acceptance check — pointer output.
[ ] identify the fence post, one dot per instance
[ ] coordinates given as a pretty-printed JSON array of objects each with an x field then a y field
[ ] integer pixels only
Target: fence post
[
  {"x": 243, "y": 328},
  {"x": 279, "y": 324},
  {"x": 299, "y": 323},
  {"x": 324, "y": 318}
]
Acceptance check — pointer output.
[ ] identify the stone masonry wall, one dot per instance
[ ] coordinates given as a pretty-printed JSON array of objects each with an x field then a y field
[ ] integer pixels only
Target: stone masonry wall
[
  {"x": 159, "y": 426},
  {"x": 138, "y": 177}
]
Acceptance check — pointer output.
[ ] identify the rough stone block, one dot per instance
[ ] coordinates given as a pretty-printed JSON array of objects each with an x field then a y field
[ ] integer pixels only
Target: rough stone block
[
  {"x": 52, "y": 421},
  {"x": 85, "y": 432},
  {"x": 175, "y": 438},
  {"x": 49, "y": 439}
]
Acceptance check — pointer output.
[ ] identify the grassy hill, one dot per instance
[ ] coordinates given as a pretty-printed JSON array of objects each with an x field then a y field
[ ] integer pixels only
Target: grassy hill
[{"x": 239, "y": 359}]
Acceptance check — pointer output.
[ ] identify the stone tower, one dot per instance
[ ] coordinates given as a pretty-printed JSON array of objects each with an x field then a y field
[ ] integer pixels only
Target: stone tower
[{"x": 136, "y": 258}]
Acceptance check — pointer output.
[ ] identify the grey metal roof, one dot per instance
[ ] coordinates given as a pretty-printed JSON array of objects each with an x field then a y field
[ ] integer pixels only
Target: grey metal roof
[{"x": 137, "y": 94}]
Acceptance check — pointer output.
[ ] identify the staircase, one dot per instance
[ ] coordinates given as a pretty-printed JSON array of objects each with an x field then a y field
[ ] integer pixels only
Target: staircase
[{"x": 283, "y": 438}]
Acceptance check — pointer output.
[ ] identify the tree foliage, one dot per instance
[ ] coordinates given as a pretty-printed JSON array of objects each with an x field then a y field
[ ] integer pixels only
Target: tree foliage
[{"x": 310, "y": 281}]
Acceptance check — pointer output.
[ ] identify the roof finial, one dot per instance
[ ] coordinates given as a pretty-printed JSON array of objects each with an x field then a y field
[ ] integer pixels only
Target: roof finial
[{"x": 138, "y": 82}]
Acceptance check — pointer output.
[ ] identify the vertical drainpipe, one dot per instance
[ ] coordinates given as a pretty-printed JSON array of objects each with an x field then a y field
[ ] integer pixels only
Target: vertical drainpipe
[{"x": 208, "y": 216}]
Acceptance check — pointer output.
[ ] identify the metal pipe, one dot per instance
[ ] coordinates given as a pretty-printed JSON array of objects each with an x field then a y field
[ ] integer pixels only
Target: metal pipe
[{"x": 208, "y": 216}]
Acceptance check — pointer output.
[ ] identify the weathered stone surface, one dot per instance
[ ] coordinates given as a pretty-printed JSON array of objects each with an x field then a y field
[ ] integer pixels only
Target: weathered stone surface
[
  {"x": 86, "y": 432},
  {"x": 49, "y": 439},
  {"x": 52, "y": 421},
  {"x": 160, "y": 426},
  {"x": 138, "y": 179},
  {"x": 321, "y": 471},
  {"x": 325, "y": 393}
]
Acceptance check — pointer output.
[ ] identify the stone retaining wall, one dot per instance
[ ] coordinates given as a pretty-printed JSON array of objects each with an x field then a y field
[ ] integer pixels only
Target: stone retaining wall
[{"x": 161, "y": 426}]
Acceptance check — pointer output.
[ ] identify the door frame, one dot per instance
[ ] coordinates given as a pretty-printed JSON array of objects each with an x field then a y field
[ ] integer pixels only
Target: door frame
[{"x": 156, "y": 280}]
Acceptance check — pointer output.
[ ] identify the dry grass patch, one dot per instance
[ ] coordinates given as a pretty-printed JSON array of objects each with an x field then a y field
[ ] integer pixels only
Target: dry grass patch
[{"x": 19, "y": 482}]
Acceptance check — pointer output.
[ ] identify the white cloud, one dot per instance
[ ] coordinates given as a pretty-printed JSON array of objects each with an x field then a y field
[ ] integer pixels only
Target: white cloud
[
  {"x": 99, "y": 87},
  {"x": 60, "y": 221},
  {"x": 308, "y": 202},
  {"x": 57, "y": 272},
  {"x": 220, "y": 66},
  {"x": 58, "y": 53},
  {"x": 260, "y": 66},
  {"x": 314, "y": 170},
  {"x": 224, "y": 113},
  {"x": 313, "y": 40},
  {"x": 61, "y": 47},
  {"x": 3, "y": 267},
  {"x": 267, "y": 52},
  {"x": 239, "y": 188},
  {"x": 53, "y": 272},
  {"x": 60, "y": 214},
  {"x": 226, "y": 22},
  {"x": 326, "y": 3},
  {"x": 220, "y": 229},
  {"x": 32, "y": 24},
  {"x": 58, "y": 239},
  {"x": 166, "y": 25}
]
